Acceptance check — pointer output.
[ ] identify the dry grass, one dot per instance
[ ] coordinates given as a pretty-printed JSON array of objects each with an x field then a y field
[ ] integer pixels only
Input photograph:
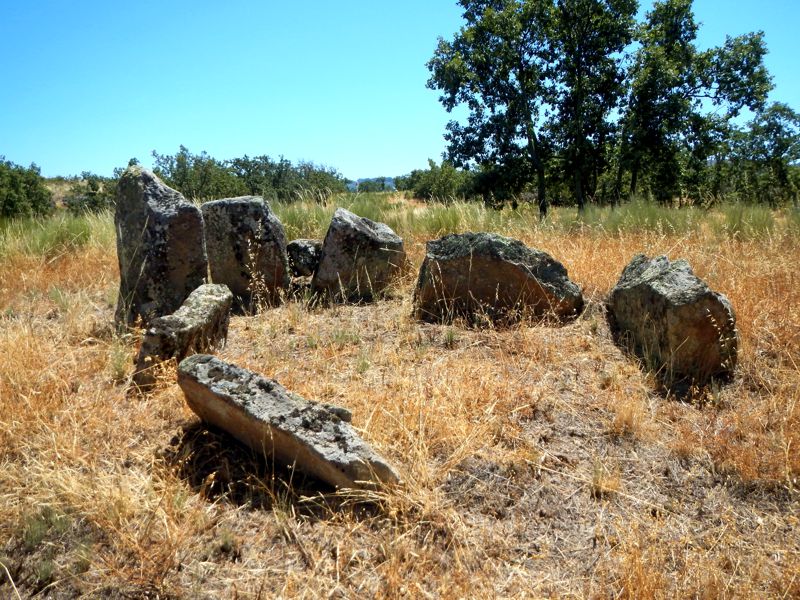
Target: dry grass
[{"x": 537, "y": 461}]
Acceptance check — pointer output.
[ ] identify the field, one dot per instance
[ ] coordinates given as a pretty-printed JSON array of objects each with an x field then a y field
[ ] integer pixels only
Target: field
[{"x": 537, "y": 460}]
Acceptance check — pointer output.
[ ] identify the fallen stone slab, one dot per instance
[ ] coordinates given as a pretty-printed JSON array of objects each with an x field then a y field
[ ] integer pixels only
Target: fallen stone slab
[
  {"x": 661, "y": 311},
  {"x": 246, "y": 249},
  {"x": 316, "y": 438},
  {"x": 160, "y": 248},
  {"x": 199, "y": 325},
  {"x": 473, "y": 275},
  {"x": 360, "y": 258},
  {"x": 304, "y": 257}
]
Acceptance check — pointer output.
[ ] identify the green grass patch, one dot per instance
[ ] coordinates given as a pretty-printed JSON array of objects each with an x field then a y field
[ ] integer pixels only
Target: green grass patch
[
  {"x": 638, "y": 215},
  {"x": 42, "y": 524},
  {"x": 309, "y": 217},
  {"x": 745, "y": 221},
  {"x": 53, "y": 236},
  {"x": 303, "y": 219},
  {"x": 793, "y": 221}
]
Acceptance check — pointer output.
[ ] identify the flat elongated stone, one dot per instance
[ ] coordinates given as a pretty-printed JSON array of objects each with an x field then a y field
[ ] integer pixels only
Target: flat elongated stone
[
  {"x": 670, "y": 318},
  {"x": 318, "y": 439},
  {"x": 199, "y": 325},
  {"x": 160, "y": 247},
  {"x": 360, "y": 258},
  {"x": 246, "y": 249},
  {"x": 471, "y": 274}
]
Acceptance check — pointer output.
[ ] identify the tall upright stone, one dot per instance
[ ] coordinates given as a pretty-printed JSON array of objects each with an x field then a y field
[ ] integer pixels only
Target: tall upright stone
[
  {"x": 246, "y": 249},
  {"x": 160, "y": 247},
  {"x": 661, "y": 311},
  {"x": 360, "y": 258}
]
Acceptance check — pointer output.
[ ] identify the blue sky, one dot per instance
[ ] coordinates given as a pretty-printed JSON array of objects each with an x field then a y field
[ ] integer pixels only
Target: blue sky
[{"x": 86, "y": 85}]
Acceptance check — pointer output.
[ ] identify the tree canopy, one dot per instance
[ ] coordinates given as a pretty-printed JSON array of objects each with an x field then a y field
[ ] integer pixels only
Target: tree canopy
[{"x": 575, "y": 96}]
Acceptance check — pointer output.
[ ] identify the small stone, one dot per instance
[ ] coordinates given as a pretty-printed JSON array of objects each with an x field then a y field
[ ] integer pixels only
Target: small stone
[
  {"x": 304, "y": 256},
  {"x": 160, "y": 248},
  {"x": 661, "y": 311},
  {"x": 476, "y": 275},
  {"x": 360, "y": 258},
  {"x": 246, "y": 249},
  {"x": 318, "y": 439},
  {"x": 199, "y": 325}
]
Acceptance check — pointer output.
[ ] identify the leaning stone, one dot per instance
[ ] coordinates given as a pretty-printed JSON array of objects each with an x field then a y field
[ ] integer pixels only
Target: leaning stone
[
  {"x": 474, "y": 275},
  {"x": 316, "y": 438},
  {"x": 360, "y": 258},
  {"x": 199, "y": 325},
  {"x": 670, "y": 318},
  {"x": 246, "y": 249},
  {"x": 304, "y": 256},
  {"x": 160, "y": 248}
]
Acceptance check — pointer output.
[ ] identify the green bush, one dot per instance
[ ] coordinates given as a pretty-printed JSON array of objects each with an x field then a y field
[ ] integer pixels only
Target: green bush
[
  {"x": 91, "y": 194},
  {"x": 22, "y": 191},
  {"x": 444, "y": 182}
]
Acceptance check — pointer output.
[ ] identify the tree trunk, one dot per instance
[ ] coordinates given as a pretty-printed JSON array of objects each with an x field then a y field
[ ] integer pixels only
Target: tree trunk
[
  {"x": 616, "y": 193},
  {"x": 579, "y": 190},
  {"x": 541, "y": 191},
  {"x": 634, "y": 178},
  {"x": 538, "y": 164}
]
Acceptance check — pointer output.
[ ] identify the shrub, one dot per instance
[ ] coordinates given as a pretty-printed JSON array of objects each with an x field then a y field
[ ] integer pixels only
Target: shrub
[
  {"x": 22, "y": 191},
  {"x": 91, "y": 194},
  {"x": 439, "y": 182}
]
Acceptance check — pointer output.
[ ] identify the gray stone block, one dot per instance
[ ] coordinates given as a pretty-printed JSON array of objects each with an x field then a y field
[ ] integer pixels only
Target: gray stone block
[{"x": 316, "y": 438}]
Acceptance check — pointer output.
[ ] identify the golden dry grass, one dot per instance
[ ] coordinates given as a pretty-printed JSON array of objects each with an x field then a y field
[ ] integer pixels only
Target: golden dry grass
[{"x": 537, "y": 461}]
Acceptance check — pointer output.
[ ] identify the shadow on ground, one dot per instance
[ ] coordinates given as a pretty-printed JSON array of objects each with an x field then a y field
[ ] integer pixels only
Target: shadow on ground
[{"x": 219, "y": 467}]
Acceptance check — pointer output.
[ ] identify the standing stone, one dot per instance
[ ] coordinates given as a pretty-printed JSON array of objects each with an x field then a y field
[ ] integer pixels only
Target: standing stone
[
  {"x": 670, "y": 318},
  {"x": 160, "y": 247},
  {"x": 304, "y": 256},
  {"x": 262, "y": 414},
  {"x": 199, "y": 325},
  {"x": 246, "y": 249},
  {"x": 484, "y": 274},
  {"x": 360, "y": 258}
]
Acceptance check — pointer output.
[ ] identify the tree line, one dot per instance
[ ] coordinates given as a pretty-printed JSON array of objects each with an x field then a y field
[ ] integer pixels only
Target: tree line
[
  {"x": 202, "y": 177},
  {"x": 575, "y": 101},
  {"x": 199, "y": 177}
]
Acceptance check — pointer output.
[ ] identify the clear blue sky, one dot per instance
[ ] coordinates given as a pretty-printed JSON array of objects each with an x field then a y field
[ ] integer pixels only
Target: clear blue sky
[{"x": 86, "y": 85}]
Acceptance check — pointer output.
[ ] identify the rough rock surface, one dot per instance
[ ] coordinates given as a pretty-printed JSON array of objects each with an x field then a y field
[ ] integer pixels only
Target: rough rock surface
[
  {"x": 199, "y": 325},
  {"x": 360, "y": 258},
  {"x": 261, "y": 413},
  {"x": 246, "y": 249},
  {"x": 160, "y": 247},
  {"x": 476, "y": 274},
  {"x": 304, "y": 256},
  {"x": 669, "y": 317}
]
